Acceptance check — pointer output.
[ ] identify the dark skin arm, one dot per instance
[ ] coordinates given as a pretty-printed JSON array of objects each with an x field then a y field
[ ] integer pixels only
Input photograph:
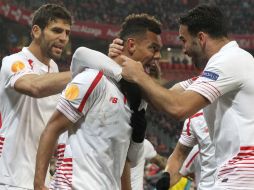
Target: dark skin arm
[
  {"x": 56, "y": 126},
  {"x": 126, "y": 177}
]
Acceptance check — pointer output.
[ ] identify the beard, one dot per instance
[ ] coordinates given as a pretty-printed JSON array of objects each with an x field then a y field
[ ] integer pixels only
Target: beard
[
  {"x": 199, "y": 62},
  {"x": 47, "y": 48}
]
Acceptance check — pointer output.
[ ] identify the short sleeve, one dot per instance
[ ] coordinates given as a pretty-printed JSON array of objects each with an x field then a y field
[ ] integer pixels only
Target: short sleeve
[
  {"x": 14, "y": 67},
  {"x": 81, "y": 93},
  {"x": 218, "y": 78},
  {"x": 188, "y": 137}
]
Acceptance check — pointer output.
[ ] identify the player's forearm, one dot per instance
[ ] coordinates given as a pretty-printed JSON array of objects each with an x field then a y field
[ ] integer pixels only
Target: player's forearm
[
  {"x": 160, "y": 97},
  {"x": 175, "y": 162},
  {"x": 45, "y": 152},
  {"x": 125, "y": 178},
  {"x": 42, "y": 85}
]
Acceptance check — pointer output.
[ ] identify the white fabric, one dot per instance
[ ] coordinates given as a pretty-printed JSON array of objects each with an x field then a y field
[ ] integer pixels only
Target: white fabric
[
  {"x": 192, "y": 164},
  {"x": 24, "y": 119},
  {"x": 87, "y": 58},
  {"x": 195, "y": 131},
  {"x": 101, "y": 136},
  {"x": 227, "y": 82},
  {"x": 137, "y": 172}
]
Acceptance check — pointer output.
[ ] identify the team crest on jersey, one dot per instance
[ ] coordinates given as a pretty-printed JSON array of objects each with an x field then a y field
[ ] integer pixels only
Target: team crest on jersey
[
  {"x": 72, "y": 92},
  {"x": 210, "y": 75},
  {"x": 17, "y": 66}
]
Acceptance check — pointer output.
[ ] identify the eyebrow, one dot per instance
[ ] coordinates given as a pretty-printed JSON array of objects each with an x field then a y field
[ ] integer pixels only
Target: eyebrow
[{"x": 156, "y": 45}]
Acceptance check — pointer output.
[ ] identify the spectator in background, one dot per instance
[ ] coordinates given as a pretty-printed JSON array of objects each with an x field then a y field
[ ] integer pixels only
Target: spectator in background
[{"x": 29, "y": 86}]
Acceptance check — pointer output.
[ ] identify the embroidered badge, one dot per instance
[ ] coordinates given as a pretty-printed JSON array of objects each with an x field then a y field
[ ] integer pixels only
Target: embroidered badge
[
  {"x": 17, "y": 66},
  {"x": 72, "y": 92},
  {"x": 210, "y": 75}
]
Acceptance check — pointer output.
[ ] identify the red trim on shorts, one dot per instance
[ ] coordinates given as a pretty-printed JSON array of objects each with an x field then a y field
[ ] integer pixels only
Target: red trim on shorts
[{"x": 89, "y": 91}]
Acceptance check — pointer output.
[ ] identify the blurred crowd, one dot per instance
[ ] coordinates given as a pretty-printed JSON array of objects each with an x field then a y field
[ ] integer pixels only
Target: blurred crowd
[{"x": 240, "y": 13}]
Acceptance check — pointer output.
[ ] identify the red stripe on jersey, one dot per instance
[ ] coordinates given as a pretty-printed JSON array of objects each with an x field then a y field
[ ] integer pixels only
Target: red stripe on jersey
[
  {"x": 247, "y": 148},
  {"x": 89, "y": 91},
  {"x": 191, "y": 160},
  {"x": 189, "y": 120},
  {"x": 61, "y": 146},
  {"x": 197, "y": 115}
]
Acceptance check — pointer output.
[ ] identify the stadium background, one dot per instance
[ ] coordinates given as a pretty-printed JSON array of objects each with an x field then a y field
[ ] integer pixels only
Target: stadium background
[{"x": 96, "y": 23}]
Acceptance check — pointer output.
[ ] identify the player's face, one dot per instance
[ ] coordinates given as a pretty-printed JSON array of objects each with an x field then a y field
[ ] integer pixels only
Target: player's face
[
  {"x": 147, "y": 51},
  {"x": 192, "y": 47},
  {"x": 54, "y": 38}
]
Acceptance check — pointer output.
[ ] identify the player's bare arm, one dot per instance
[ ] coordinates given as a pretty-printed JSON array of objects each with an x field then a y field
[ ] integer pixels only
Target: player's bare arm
[
  {"x": 175, "y": 162},
  {"x": 56, "y": 126},
  {"x": 39, "y": 86},
  {"x": 177, "y": 104},
  {"x": 126, "y": 178}
]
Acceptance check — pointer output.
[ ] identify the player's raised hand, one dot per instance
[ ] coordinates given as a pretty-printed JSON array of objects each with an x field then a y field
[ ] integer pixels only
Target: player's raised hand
[
  {"x": 131, "y": 69},
  {"x": 115, "y": 48}
]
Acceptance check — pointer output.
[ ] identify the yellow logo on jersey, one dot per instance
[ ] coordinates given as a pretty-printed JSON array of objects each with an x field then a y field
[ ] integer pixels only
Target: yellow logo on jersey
[
  {"x": 17, "y": 66},
  {"x": 71, "y": 92}
]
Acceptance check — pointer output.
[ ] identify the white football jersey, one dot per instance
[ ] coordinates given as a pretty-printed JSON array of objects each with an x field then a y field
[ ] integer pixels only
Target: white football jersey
[
  {"x": 99, "y": 141},
  {"x": 227, "y": 82},
  {"x": 192, "y": 164},
  {"x": 195, "y": 132},
  {"x": 23, "y": 119}
]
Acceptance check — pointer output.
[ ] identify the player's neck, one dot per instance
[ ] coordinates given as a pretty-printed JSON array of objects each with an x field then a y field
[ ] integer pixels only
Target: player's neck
[
  {"x": 37, "y": 52},
  {"x": 215, "y": 45}
]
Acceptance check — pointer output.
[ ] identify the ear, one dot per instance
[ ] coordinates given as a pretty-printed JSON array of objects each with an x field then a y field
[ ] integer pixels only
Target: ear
[
  {"x": 131, "y": 45},
  {"x": 36, "y": 31},
  {"x": 202, "y": 38}
]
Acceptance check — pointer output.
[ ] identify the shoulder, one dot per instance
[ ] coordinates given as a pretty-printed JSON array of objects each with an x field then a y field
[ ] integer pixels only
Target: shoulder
[
  {"x": 14, "y": 62},
  {"x": 90, "y": 80}
]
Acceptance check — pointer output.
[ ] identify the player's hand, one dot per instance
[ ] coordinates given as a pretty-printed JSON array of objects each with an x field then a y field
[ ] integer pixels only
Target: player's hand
[
  {"x": 115, "y": 48},
  {"x": 138, "y": 123},
  {"x": 131, "y": 70},
  {"x": 164, "y": 181}
]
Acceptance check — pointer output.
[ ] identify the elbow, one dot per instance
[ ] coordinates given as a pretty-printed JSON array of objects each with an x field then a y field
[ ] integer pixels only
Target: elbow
[
  {"x": 36, "y": 91},
  {"x": 178, "y": 113}
]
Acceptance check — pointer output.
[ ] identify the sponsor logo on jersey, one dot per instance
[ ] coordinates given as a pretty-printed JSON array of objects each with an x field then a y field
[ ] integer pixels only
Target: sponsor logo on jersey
[
  {"x": 114, "y": 100},
  {"x": 210, "y": 75},
  {"x": 17, "y": 66},
  {"x": 72, "y": 92}
]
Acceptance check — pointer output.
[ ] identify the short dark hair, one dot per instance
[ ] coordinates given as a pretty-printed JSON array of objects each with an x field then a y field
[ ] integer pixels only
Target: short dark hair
[
  {"x": 206, "y": 18},
  {"x": 138, "y": 24},
  {"x": 49, "y": 12}
]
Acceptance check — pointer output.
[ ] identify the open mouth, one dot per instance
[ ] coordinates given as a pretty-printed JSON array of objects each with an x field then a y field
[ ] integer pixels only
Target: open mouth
[{"x": 147, "y": 68}]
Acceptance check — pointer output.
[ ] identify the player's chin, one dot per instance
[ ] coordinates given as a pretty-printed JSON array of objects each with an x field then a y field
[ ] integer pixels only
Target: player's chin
[{"x": 55, "y": 56}]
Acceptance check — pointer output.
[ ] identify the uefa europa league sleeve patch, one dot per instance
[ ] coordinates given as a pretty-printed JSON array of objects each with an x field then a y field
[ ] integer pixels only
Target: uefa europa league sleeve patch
[
  {"x": 72, "y": 92},
  {"x": 17, "y": 66}
]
